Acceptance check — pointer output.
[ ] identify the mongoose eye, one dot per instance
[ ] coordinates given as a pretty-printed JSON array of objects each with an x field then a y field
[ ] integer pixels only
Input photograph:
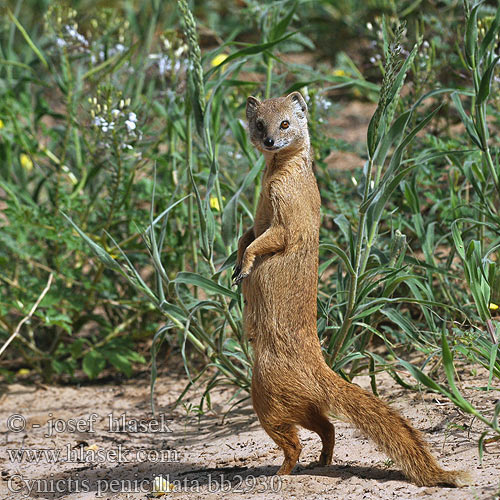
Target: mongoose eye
[
  {"x": 260, "y": 126},
  {"x": 284, "y": 124}
]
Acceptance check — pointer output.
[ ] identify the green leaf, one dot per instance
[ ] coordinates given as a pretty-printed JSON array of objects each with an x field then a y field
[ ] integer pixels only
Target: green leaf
[
  {"x": 396, "y": 161},
  {"x": 338, "y": 251},
  {"x": 457, "y": 239},
  {"x": 490, "y": 35},
  {"x": 403, "y": 322},
  {"x": 250, "y": 50},
  {"x": 393, "y": 135},
  {"x": 119, "y": 361},
  {"x": 470, "y": 249},
  {"x": 492, "y": 361},
  {"x": 377, "y": 205},
  {"x": 471, "y": 37},
  {"x": 93, "y": 363},
  {"x": 467, "y": 121},
  {"x": 229, "y": 213},
  {"x": 204, "y": 283},
  {"x": 421, "y": 377},
  {"x": 77, "y": 347},
  {"x": 484, "y": 86},
  {"x": 111, "y": 64},
  {"x": 279, "y": 29},
  {"x": 393, "y": 95},
  {"x": 344, "y": 225},
  {"x": 450, "y": 375},
  {"x": 104, "y": 256},
  {"x": 30, "y": 42}
]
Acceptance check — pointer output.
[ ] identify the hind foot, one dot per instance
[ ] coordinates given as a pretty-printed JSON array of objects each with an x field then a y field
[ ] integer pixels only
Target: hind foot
[{"x": 326, "y": 457}]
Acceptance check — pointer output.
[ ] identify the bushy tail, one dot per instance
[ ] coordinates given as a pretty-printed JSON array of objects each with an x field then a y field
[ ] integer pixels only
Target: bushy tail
[{"x": 392, "y": 433}]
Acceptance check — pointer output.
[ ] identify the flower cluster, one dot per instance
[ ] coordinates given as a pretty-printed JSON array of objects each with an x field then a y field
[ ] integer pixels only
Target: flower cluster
[
  {"x": 107, "y": 118},
  {"x": 101, "y": 55},
  {"x": 323, "y": 103},
  {"x": 316, "y": 102},
  {"x": 61, "y": 21},
  {"x": 378, "y": 40},
  {"x": 74, "y": 35},
  {"x": 106, "y": 33},
  {"x": 171, "y": 60}
]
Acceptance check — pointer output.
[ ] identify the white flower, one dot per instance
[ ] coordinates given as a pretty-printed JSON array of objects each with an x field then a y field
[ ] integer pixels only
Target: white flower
[
  {"x": 164, "y": 65},
  {"x": 103, "y": 124},
  {"x": 115, "y": 113},
  {"x": 130, "y": 125},
  {"x": 305, "y": 93},
  {"x": 61, "y": 42},
  {"x": 76, "y": 36},
  {"x": 132, "y": 117},
  {"x": 171, "y": 95},
  {"x": 178, "y": 53},
  {"x": 323, "y": 103}
]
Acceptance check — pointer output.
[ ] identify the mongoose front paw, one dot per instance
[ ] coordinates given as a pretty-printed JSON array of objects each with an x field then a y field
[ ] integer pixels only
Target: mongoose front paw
[
  {"x": 237, "y": 270},
  {"x": 239, "y": 278}
]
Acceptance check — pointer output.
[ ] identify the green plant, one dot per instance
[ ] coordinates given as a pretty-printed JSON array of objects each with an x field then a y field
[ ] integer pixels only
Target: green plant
[{"x": 130, "y": 125}]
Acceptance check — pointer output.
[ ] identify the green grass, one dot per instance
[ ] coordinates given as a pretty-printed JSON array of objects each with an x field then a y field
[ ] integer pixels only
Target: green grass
[{"x": 126, "y": 173}]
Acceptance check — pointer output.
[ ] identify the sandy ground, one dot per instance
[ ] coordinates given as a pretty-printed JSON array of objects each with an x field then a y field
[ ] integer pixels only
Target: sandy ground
[{"x": 215, "y": 455}]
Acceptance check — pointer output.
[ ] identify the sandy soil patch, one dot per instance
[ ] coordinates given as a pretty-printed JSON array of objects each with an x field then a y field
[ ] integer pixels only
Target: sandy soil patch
[{"x": 215, "y": 455}]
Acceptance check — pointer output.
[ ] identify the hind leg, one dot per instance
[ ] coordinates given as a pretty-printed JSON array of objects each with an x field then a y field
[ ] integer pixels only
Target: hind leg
[
  {"x": 285, "y": 436},
  {"x": 324, "y": 428}
]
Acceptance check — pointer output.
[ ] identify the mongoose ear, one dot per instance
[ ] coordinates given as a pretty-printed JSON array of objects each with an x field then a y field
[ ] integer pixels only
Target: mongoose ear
[
  {"x": 299, "y": 103},
  {"x": 252, "y": 104}
]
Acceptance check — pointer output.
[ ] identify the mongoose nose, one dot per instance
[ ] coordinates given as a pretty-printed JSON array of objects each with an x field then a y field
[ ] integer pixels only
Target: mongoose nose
[{"x": 268, "y": 142}]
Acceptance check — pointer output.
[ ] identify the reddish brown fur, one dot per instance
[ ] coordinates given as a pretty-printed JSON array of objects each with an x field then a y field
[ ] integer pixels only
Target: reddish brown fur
[{"x": 278, "y": 263}]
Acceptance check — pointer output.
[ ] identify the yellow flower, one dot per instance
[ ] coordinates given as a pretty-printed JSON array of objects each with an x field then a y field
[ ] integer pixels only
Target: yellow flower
[
  {"x": 339, "y": 72},
  {"x": 161, "y": 486},
  {"x": 23, "y": 371},
  {"x": 218, "y": 60},
  {"x": 214, "y": 203},
  {"x": 25, "y": 161},
  {"x": 2, "y": 125},
  {"x": 493, "y": 307}
]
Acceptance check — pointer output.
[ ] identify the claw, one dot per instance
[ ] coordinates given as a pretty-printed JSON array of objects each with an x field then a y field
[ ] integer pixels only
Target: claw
[
  {"x": 237, "y": 270},
  {"x": 241, "y": 276}
]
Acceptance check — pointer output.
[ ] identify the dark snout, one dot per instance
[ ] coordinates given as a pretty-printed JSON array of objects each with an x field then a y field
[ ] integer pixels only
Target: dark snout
[{"x": 268, "y": 142}]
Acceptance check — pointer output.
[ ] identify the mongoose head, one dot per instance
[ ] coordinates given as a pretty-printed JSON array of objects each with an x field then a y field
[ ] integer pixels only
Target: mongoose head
[{"x": 278, "y": 124}]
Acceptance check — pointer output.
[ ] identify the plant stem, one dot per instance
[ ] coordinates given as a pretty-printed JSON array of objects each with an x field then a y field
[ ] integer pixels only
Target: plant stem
[
  {"x": 269, "y": 77},
  {"x": 358, "y": 268},
  {"x": 189, "y": 159}
]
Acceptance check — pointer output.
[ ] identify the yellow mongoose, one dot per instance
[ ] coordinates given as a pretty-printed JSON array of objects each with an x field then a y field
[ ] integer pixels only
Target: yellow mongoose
[{"x": 277, "y": 264}]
